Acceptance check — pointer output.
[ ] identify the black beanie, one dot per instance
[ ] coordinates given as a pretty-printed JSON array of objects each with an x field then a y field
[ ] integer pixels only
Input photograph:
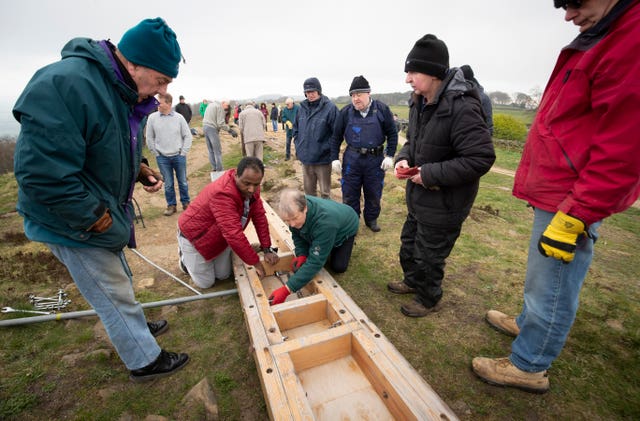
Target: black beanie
[
  {"x": 312, "y": 84},
  {"x": 359, "y": 84},
  {"x": 430, "y": 56}
]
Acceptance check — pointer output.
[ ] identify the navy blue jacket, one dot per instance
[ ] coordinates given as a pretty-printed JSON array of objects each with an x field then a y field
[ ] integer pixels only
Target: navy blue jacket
[
  {"x": 312, "y": 131},
  {"x": 378, "y": 110}
]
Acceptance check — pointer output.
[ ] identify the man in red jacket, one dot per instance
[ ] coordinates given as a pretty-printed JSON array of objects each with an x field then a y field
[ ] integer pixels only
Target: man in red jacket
[
  {"x": 580, "y": 164},
  {"x": 213, "y": 225}
]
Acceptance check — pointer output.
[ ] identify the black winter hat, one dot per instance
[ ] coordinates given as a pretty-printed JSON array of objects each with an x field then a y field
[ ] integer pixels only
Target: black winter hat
[
  {"x": 430, "y": 56},
  {"x": 312, "y": 84},
  {"x": 359, "y": 84}
]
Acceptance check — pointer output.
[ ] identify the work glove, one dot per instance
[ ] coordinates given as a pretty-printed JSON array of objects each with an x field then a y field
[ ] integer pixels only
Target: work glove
[
  {"x": 144, "y": 174},
  {"x": 279, "y": 295},
  {"x": 387, "y": 163},
  {"x": 102, "y": 224},
  {"x": 233, "y": 133},
  {"x": 289, "y": 125},
  {"x": 560, "y": 238},
  {"x": 336, "y": 166},
  {"x": 297, "y": 262}
]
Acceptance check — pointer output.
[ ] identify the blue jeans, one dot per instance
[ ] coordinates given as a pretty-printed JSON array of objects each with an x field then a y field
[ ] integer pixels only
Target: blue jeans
[
  {"x": 551, "y": 295},
  {"x": 104, "y": 279},
  {"x": 167, "y": 165},
  {"x": 274, "y": 124},
  {"x": 212, "y": 138},
  {"x": 287, "y": 151}
]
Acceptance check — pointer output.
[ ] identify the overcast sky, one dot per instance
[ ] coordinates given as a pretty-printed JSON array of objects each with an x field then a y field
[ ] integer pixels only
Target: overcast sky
[{"x": 243, "y": 49}]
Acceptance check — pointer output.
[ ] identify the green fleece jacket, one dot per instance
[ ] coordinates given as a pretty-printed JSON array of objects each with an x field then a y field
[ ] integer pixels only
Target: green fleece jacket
[{"x": 328, "y": 225}]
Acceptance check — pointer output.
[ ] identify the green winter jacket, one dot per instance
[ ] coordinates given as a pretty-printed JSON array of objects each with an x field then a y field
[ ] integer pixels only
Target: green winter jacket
[
  {"x": 74, "y": 156},
  {"x": 328, "y": 225}
]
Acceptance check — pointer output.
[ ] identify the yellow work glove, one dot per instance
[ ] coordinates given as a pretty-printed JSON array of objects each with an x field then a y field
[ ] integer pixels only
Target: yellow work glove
[
  {"x": 289, "y": 125},
  {"x": 560, "y": 238}
]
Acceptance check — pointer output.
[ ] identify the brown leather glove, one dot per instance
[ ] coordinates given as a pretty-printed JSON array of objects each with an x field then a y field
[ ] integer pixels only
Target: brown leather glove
[
  {"x": 102, "y": 224},
  {"x": 145, "y": 172}
]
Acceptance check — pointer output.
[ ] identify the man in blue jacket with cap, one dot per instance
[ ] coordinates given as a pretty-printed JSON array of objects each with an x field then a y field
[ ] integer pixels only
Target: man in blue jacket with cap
[{"x": 76, "y": 169}]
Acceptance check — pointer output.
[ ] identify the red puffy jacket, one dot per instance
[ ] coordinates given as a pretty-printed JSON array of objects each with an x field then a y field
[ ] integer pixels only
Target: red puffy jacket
[
  {"x": 582, "y": 155},
  {"x": 213, "y": 220}
]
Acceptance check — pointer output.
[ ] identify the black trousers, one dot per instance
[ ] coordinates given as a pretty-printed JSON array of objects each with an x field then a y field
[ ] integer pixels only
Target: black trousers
[
  {"x": 423, "y": 252},
  {"x": 340, "y": 256}
]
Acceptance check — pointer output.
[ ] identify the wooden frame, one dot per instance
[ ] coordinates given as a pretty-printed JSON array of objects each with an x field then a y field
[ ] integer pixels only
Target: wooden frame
[{"x": 319, "y": 357}]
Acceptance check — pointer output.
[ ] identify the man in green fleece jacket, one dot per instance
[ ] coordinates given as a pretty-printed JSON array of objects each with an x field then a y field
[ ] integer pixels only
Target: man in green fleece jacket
[{"x": 321, "y": 229}]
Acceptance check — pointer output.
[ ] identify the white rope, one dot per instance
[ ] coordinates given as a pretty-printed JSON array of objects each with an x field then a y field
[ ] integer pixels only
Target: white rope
[{"x": 166, "y": 272}]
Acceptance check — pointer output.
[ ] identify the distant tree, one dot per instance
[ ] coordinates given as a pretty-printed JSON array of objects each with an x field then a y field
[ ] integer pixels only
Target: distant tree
[
  {"x": 536, "y": 95},
  {"x": 7, "y": 147},
  {"x": 524, "y": 101},
  {"x": 500, "y": 98}
]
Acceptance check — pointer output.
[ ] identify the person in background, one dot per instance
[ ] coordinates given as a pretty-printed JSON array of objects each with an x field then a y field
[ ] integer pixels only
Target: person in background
[
  {"x": 448, "y": 149},
  {"x": 274, "y": 116},
  {"x": 213, "y": 226},
  {"x": 312, "y": 131},
  {"x": 212, "y": 123},
  {"x": 236, "y": 113},
  {"x": 580, "y": 164},
  {"x": 265, "y": 113},
  {"x": 169, "y": 140},
  {"x": 365, "y": 125},
  {"x": 288, "y": 118},
  {"x": 251, "y": 124},
  {"x": 487, "y": 108},
  {"x": 321, "y": 230},
  {"x": 203, "y": 107},
  {"x": 183, "y": 109},
  {"x": 76, "y": 168}
]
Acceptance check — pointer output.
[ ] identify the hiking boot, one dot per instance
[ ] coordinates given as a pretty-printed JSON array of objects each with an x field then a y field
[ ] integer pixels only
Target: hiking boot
[
  {"x": 373, "y": 225},
  {"x": 415, "y": 309},
  {"x": 400, "y": 288},
  {"x": 157, "y": 328},
  {"x": 502, "y": 323},
  {"x": 501, "y": 372},
  {"x": 185, "y": 205},
  {"x": 170, "y": 210},
  {"x": 165, "y": 365}
]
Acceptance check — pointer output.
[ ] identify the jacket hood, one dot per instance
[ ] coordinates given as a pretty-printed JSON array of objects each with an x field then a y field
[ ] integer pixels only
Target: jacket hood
[{"x": 89, "y": 49}]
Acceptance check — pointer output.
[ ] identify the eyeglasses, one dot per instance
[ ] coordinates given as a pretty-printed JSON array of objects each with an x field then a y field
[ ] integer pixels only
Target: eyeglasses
[{"x": 574, "y": 4}]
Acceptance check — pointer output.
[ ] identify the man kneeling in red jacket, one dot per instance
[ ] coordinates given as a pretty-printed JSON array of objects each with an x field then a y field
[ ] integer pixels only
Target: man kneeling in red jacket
[{"x": 213, "y": 225}]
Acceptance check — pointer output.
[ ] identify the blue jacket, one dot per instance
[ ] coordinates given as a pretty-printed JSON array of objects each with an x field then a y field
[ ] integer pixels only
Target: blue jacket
[
  {"x": 312, "y": 131},
  {"x": 75, "y": 155},
  {"x": 349, "y": 117}
]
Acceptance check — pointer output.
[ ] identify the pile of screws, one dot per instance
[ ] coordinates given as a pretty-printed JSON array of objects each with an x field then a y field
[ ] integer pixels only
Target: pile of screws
[{"x": 56, "y": 302}]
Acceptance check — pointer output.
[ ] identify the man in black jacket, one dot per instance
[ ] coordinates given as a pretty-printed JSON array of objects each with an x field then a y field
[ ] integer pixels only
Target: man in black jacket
[
  {"x": 448, "y": 149},
  {"x": 185, "y": 110}
]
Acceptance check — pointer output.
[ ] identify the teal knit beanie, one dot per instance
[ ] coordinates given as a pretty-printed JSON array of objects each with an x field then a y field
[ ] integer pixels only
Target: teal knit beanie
[{"x": 152, "y": 44}]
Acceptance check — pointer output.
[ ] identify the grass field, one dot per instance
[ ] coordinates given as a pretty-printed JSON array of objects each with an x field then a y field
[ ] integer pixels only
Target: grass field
[{"x": 595, "y": 377}]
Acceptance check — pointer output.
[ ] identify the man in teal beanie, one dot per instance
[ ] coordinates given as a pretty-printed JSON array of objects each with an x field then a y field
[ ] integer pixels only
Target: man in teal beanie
[{"x": 77, "y": 159}]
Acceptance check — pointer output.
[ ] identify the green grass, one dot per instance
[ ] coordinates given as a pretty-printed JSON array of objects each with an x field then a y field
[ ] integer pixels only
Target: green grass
[{"x": 595, "y": 377}]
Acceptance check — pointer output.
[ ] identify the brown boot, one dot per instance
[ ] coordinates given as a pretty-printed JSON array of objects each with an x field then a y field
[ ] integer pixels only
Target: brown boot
[
  {"x": 501, "y": 372},
  {"x": 170, "y": 210},
  {"x": 415, "y": 309},
  {"x": 185, "y": 205},
  {"x": 502, "y": 323},
  {"x": 400, "y": 288}
]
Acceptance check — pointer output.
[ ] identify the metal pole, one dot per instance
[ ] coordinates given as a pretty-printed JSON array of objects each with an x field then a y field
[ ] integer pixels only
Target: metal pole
[
  {"x": 87, "y": 313},
  {"x": 164, "y": 271}
]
